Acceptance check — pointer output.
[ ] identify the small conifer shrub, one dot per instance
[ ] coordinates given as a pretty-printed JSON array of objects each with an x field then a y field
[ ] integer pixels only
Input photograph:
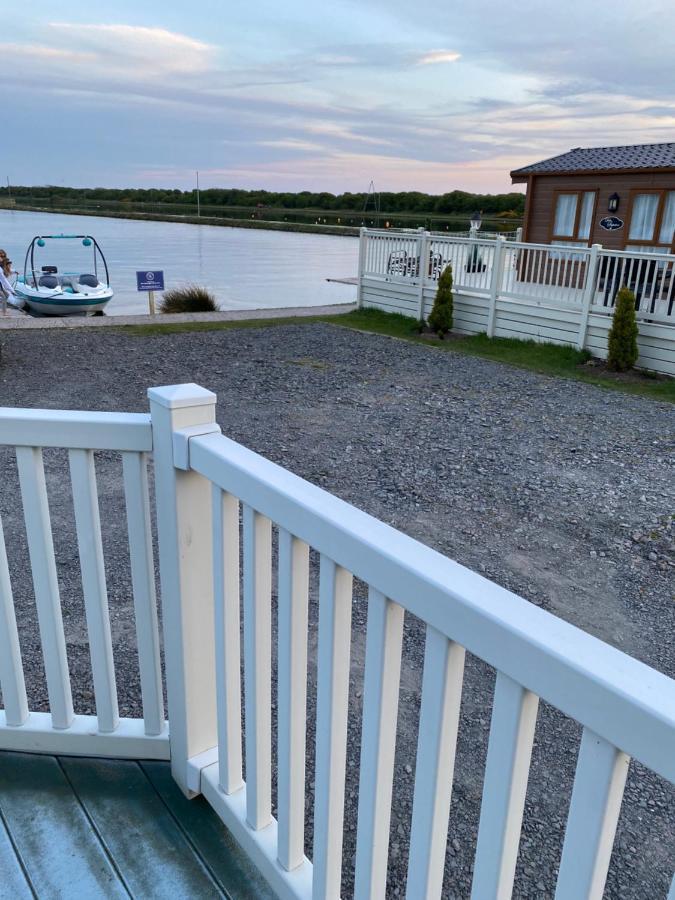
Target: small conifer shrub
[
  {"x": 440, "y": 318},
  {"x": 622, "y": 341}
]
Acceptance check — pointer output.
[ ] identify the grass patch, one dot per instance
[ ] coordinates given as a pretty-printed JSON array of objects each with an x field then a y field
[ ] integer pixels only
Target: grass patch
[
  {"x": 178, "y": 327},
  {"x": 547, "y": 359}
]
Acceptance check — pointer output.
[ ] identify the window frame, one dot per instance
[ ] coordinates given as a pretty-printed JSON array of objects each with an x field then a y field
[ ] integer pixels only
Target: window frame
[
  {"x": 658, "y": 221},
  {"x": 579, "y": 192}
]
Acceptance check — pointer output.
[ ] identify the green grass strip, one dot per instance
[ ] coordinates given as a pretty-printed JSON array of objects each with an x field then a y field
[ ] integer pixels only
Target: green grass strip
[{"x": 536, "y": 356}]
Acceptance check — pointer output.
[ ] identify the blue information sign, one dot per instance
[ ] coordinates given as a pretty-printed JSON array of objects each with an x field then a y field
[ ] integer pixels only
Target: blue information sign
[{"x": 150, "y": 281}]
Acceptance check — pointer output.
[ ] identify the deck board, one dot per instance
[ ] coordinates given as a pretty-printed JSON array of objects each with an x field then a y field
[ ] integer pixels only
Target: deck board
[
  {"x": 14, "y": 882},
  {"x": 73, "y": 827},
  {"x": 211, "y": 839},
  {"x": 128, "y": 815},
  {"x": 60, "y": 852}
]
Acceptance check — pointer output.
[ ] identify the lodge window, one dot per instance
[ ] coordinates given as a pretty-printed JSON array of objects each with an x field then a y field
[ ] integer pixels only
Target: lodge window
[
  {"x": 573, "y": 217},
  {"x": 652, "y": 219}
]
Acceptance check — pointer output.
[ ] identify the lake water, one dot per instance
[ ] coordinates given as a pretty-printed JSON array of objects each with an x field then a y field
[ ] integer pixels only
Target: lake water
[{"x": 245, "y": 268}]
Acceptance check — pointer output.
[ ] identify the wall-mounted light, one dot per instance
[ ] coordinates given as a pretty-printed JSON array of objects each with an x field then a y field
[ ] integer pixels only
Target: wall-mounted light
[{"x": 613, "y": 202}]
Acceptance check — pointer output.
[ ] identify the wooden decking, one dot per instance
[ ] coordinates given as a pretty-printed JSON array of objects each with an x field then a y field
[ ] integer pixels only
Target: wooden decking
[{"x": 90, "y": 828}]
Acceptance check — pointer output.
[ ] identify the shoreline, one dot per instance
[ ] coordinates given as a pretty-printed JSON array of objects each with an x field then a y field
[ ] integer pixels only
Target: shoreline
[{"x": 219, "y": 221}]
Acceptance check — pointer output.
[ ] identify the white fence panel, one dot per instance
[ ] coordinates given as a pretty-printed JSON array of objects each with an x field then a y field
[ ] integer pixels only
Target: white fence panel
[
  {"x": 627, "y": 709},
  {"x": 628, "y": 706},
  {"x": 293, "y": 598},
  {"x": 378, "y": 742},
  {"x": 45, "y": 583},
  {"x": 594, "y": 813},
  {"x": 139, "y": 529},
  {"x": 60, "y": 730},
  {"x": 257, "y": 535},
  {"x": 435, "y": 763},
  {"x": 12, "y": 680},
  {"x": 555, "y": 293}
]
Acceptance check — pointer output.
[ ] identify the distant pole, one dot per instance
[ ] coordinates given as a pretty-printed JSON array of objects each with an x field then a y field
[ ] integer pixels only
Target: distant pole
[
  {"x": 198, "y": 207},
  {"x": 9, "y": 190}
]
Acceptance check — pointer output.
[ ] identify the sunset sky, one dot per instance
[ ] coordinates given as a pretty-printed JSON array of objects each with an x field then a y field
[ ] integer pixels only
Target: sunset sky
[{"x": 427, "y": 96}]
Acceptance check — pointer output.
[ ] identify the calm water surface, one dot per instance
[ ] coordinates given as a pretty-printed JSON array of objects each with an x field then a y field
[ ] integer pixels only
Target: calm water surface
[{"x": 245, "y": 268}]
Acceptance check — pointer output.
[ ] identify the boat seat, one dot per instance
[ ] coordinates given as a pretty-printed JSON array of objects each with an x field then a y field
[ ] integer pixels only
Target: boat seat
[
  {"x": 89, "y": 280},
  {"x": 48, "y": 281}
]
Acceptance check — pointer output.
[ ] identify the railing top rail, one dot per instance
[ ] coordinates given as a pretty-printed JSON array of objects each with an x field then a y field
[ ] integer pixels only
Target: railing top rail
[
  {"x": 75, "y": 429},
  {"x": 618, "y": 697},
  {"x": 642, "y": 254},
  {"x": 391, "y": 232},
  {"x": 435, "y": 236},
  {"x": 463, "y": 237}
]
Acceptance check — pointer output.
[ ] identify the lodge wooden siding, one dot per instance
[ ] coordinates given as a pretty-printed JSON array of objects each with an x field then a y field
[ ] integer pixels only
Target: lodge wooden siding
[{"x": 542, "y": 193}]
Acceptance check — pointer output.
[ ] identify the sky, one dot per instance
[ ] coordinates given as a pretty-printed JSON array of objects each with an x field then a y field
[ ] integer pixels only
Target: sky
[{"x": 299, "y": 95}]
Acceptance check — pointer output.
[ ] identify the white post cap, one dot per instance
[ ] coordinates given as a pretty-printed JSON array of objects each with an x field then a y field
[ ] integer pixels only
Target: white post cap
[{"x": 178, "y": 396}]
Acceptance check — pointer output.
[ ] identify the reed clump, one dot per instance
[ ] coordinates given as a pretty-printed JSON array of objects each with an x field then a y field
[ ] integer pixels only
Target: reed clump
[{"x": 188, "y": 299}]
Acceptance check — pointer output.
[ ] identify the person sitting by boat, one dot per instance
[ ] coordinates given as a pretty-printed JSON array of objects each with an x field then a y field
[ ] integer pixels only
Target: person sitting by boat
[{"x": 6, "y": 288}]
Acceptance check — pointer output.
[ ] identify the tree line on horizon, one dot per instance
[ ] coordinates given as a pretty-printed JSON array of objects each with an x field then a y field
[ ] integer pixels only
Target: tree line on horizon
[{"x": 457, "y": 202}]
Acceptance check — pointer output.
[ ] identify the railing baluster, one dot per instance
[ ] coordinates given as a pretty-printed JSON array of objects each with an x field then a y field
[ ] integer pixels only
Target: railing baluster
[
  {"x": 335, "y": 617},
  {"x": 591, "y": 824},
  {"x": 11, "y": 667},
  {"x": 436, "y": 744},
  {"x": 292, "y": 697},
  {"x": 258, "y": 666},
  {"x": 135, "y": 474},
  {"x": 514, "y": 716},
  {"x": 45, "y": 583},
  {"x": 378, "y": 743},
  {"x": 90, "y": 548},
  {"x": 228, "y": 644}
]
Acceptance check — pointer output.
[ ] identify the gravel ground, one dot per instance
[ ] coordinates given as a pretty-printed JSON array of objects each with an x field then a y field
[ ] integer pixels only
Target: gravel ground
[{"x": 560, "y": 491}]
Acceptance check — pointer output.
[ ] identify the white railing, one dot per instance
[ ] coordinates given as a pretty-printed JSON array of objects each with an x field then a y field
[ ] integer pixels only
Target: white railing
[
  {"x": 547, "y": 273},
  {"x": 216, "y": 498},
  {"x": 649, "y": 275},
  {"x": 562, "y": 293},
  {"x": 61, "y": 730}
]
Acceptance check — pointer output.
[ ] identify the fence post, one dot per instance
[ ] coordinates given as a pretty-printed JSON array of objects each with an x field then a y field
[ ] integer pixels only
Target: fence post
[
  {"x": 361, "y": 265},
  {"x": 422, "y": 265},
  {"x": 592, "y": 264},
  {"x": 495, "y": 284},
  {"x": 183, "y": 502},
  {"x": 519, "y": 235}
]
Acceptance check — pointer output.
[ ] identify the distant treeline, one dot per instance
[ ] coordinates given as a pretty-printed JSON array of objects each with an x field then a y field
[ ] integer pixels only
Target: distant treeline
[{"x": 455, "y": 202}]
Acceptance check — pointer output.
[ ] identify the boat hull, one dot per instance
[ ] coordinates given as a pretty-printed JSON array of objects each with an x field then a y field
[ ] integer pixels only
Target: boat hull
[{"x": 62, "y": 303}]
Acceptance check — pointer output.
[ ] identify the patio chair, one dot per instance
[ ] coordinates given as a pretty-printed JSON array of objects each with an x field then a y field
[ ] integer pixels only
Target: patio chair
[
  {"x": 398, "y": 263},
  {"x": 435, "y": 265}
]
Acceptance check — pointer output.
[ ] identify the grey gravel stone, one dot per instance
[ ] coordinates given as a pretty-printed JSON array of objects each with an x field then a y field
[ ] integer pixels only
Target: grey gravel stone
[{"x": 513, "y": 474}]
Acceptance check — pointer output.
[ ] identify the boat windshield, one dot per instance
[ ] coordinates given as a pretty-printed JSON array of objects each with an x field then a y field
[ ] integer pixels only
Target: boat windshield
[{"x": 54, "y": 256}]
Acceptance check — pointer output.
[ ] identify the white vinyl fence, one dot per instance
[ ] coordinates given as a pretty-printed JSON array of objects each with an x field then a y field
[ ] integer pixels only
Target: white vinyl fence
[
  {"x": 561, "y": 294},
  {"x": 221, "y": 512},
  {"x": 61, "y": 730}
]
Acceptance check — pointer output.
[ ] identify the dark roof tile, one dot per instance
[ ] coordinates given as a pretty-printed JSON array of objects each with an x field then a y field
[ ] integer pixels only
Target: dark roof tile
[{"x": 585, "y": 159}]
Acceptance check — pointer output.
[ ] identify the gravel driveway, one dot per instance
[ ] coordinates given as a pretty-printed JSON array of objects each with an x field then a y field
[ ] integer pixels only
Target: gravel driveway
[{"x": 560, "y": 491}]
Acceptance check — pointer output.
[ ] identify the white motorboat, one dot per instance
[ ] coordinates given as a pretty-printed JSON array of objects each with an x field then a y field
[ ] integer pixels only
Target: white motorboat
[{"x": 48, "y": 292}]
